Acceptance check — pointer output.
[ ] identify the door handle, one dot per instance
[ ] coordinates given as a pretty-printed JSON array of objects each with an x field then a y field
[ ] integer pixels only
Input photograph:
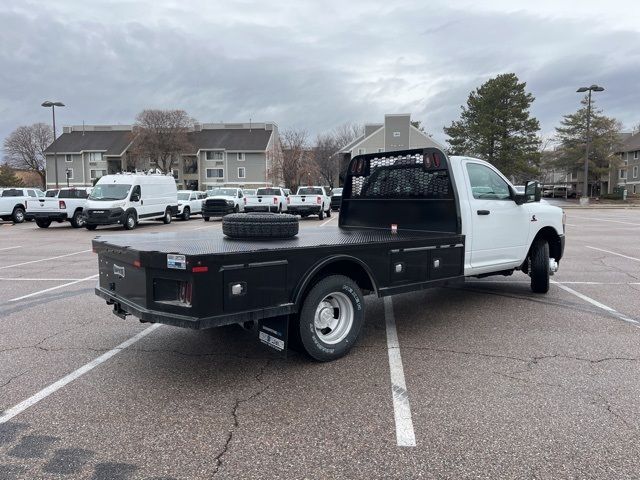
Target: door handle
[
  {"x": 141, "y": 202},
  {"x": 484, "y": 212}
]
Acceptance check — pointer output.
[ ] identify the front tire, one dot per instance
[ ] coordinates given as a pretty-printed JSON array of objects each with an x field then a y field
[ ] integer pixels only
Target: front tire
[
  {"x": 329, "y": 213},
  {"x": 77, "y": 221},
  {"x": 17, "y": 215},
  {"x": 539, "y": 266},
  {"x": 130, "y": 221},
  {"x": 167, "y": 217},
  {"x": 90, "y": 227},
  {"x": 331, "y": 318},
  {"x": 321, "y": 214},
  {"x": 186, "y": 214},
  {"x": 42, "y": 223},
  {"x": 206, "y": 219}
]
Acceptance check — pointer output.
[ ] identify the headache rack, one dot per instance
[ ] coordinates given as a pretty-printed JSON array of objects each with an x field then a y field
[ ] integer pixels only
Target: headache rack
[{"x": 403, "y": 190}]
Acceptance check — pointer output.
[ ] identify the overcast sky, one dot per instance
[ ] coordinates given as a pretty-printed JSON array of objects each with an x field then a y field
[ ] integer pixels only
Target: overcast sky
[{"x": 312, "y": 65}]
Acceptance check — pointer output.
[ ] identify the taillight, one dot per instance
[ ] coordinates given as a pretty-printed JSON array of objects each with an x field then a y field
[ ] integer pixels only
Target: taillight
[
  {"x": 275, "y": 200},
  {"x": 62, "y": 204},
  {"x": 185, "y": 293},
  {"x": 319, "y": 200}
]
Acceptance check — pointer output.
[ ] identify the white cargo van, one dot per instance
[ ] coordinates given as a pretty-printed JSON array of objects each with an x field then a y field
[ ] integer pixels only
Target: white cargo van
[{"x": 127, "y": 198}]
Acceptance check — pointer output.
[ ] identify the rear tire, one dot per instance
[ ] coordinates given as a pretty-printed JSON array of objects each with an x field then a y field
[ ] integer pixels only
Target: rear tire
[
  {"x": 539, "y": 266},
  {"x": 186, "y": 214},
  {"x": 206, "y": 219},
  {"x": 331, "y": 318},
  {"x": 42, "y": 223},
  {"x": 90, "y": 227},
  {"x": 17, "y": 215},
  {"x": 329, "y": 213},
  {"x": 130, "y": 221},
  {"x": 321, "y": 214},
  {"x": 77, "y": 221},
  {"x": 167, "y": 217}
]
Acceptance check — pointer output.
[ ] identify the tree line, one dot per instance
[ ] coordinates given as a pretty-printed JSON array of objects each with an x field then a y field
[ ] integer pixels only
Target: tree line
[{"x": 495, "y": 124}]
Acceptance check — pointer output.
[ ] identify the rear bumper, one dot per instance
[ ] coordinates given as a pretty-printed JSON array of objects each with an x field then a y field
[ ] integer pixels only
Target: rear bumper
[
  {"x": 123, "y": 307},
  {"x": 55, "y": 216},
  {"x": 335, "y": 203},
  {"x": 260, "y": 208},
  {"x": 310, "y": 209}
]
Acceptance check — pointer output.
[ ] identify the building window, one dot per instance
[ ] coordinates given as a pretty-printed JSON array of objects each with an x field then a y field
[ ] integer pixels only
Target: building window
[
  {"x": 214, "y": 155},
  {"x": 68, "y": 158},
  {"x": 69, "y": 173},
  {"x": 623, "y": 174},
  {"x": 635, "y": 171},
  {"x": 241, "y": 172},
  {"x": 362, "y": 151},
  {"x": 97, "y": 173},
  {"x": 634, "y": 189},
  {"x": 176, "y": 173},
  {"x": 190, "y": 166},
  {"x": 635, "y": 155},
  {"x": 241, "y": 156},
  {"x": 95, "y": 156},
  {"x": 215, "y": 173}
]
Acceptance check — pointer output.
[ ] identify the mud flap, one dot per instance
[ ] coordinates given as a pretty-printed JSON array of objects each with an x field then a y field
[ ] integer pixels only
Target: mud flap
[{"x": 274, "y": 333}]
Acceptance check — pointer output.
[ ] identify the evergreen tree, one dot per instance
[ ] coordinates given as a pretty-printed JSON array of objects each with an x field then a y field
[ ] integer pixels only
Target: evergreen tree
[
  {"x": 8, "y": 178},
  {"x": 571, "y": 137},
  {"x": 496, "y": 126}
]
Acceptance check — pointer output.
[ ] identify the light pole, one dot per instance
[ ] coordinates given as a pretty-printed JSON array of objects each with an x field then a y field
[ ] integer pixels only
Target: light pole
[
  {"x": 53, "y": 106},
  {"x": 584, "y": 200}
]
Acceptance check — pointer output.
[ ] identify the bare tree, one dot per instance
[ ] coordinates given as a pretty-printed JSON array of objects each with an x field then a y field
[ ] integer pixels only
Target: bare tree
[
  {"x": 325, "y": 158},
  {"x": 295, "y": 165},
  {"x": 345, "y": 134},
  {"x": 24, "y": 148},
  {"x": 161, "y": 136}
]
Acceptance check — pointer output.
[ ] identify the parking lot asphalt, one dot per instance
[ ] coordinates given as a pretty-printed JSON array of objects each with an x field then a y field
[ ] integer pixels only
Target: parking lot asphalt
[{"x": 501, "y": 383}]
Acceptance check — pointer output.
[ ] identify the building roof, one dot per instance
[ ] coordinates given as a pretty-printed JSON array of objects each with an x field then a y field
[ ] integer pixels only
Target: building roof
[
  {"x": 631, "y": 143},
  {"x": 230, "y": 139},
  {"x": 113, "y": 142}
]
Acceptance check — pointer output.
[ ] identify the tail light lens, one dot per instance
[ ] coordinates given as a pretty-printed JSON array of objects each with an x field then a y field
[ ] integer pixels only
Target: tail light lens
[
  {"x": 275, "y": 200},
  {"x": 62, "y": 204},
  {"x": 319, "y": 200}
]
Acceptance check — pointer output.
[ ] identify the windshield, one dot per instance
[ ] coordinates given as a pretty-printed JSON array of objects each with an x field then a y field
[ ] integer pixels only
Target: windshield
[
  {"x": 309, "y": 191},
  {"x": 337, "y": 191},
  {"x": 226, "y": 192},
  {"x": 268, "y": 191},
  {"x": 111, "y": 191},
  {"x": 184, "y": 195}
]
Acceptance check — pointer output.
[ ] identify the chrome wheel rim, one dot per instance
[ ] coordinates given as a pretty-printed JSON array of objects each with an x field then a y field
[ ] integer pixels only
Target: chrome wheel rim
[
  {"x": 130, "y": 221},
  {"x": 19, "y": 216},
  {"x": 80, "y": 220},
  {"x": 333, "y": 318}
]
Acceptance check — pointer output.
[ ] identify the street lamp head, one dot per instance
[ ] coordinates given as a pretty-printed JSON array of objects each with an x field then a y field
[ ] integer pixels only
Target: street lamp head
[
  {"x": 52, "y": 104},
  {"x": 582, "y": 89},
  {"x": 597, "y": 89}
]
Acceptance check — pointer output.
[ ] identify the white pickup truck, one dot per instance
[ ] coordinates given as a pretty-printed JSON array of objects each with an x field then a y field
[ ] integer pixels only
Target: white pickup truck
[
  {"x": 13, "y": 202},
  {"x": 268, "y": 199},
  {"x": 310, "y": 201},
  {"x": 68, "y": 205}
]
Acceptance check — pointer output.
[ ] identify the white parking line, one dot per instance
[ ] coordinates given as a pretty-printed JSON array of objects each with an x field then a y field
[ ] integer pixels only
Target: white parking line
[
  {"x": 324, "y": 223},
  {"x": 10, "y": 248},
  {"x": 44, "y": 259},
  {"x": 26, "y": 279},
  {"x": 54, "y": 387},
  {"x": 613, "y": 253},
  {"x": 606, "y": 220},
  {"x": 604, "y": 307},
  {"x": 405, "y": 436},
  {"x": 52, "y": 288}
]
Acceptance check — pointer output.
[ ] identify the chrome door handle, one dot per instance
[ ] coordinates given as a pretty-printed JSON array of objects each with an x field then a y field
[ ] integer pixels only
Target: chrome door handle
[{"x": 484, "y": 212}]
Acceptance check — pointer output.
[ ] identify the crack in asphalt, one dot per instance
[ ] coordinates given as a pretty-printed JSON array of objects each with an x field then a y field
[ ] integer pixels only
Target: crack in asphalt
[
  {"x": 617, "y": 269},
  {"x": 38, "y": 345},
  {"x": 11, "y": 379},
  {"x": 235, "y": 416}
]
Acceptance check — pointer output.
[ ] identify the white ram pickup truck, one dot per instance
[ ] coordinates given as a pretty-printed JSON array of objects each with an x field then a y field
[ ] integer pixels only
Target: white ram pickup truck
[
  {"x": 268, "y": 199},
  {"x": 310, "y": 201},
  {"x": 13, "y": 202},
  {"x": 68, "y": 205}
]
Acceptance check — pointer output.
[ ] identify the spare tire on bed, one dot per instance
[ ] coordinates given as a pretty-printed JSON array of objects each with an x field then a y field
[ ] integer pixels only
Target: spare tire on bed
[{"x": 260, "y": 225}]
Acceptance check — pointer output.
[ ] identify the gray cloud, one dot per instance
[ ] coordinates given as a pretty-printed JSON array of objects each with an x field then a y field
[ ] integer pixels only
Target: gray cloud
[{"x": 306, "y": 65}]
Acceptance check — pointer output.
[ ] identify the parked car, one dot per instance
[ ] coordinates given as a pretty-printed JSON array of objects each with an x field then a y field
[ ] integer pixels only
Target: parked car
[
  {"x": 460, "y": 217},
  {"x": 13, "y": 202},
  {"x": 269, "y": 199},
  {"x": 222, "y": 201},
  {"x": 189, "y": 203},
  {"x": 127, "y": 198},
  {"x": 310, "y": 201},
  {"x": 336, "y": 198},
  {"x": 247, "y": 192},
  {"x": 68, "y": 204},
  {"x": 559, "y": 192}
]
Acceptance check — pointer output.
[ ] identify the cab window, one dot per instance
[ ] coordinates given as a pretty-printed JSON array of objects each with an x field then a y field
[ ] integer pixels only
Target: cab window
[
  {"x": 136, "y": 191},
  {"x": 487, "y": 184}
]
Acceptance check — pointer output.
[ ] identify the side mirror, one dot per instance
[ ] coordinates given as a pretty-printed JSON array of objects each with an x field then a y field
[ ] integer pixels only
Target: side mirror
[{"x": 532, "y": 191}]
